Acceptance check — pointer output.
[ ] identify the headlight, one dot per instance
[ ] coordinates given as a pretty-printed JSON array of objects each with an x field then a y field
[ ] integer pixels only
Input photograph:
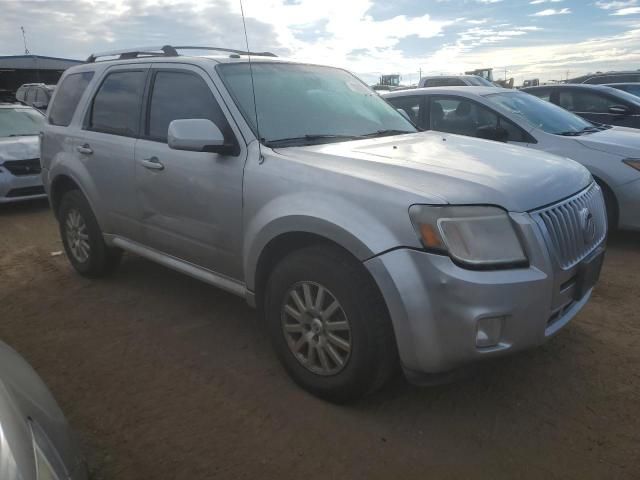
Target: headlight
[
  {"x": 474, "y": 236},
  {"x": 633, "y": 162}
]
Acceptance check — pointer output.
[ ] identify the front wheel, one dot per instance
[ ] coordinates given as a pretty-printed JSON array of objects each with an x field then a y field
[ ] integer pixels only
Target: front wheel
[
  {"x": 82, "y": 238},
  {"x": 329, "y": 324}
]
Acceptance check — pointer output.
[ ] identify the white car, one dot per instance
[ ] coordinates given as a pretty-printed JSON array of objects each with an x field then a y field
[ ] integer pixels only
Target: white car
[
  {"x": 20, "y": 178},
  {"x": 612, "y": 154}
]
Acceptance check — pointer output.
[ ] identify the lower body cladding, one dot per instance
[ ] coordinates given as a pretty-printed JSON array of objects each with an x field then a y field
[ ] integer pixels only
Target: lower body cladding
[
  {"x": 18, "y": 188},
  {"x": 445, "y": 316}
]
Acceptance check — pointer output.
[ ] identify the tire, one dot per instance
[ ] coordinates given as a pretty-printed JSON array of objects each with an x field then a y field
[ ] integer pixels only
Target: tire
[
  {"x": 82, "y": 238},
  {"x": 360, "y": 320}
]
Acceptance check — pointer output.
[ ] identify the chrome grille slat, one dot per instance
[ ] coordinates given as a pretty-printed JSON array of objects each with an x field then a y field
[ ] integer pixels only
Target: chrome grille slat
[{"x": 563, "y": 228}]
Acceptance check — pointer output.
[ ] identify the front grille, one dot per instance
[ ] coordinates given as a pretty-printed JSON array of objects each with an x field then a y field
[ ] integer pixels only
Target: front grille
[
  {"x": 23, "y": 167},
  {"x": 574, "y": 227},
  {"x": 25, "y": 191}
]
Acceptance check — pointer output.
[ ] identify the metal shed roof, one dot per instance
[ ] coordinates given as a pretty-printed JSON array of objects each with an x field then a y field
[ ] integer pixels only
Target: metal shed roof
[{"x": 17, "y": 62}]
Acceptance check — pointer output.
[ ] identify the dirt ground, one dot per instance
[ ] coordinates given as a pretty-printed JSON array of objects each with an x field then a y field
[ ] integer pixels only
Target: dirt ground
[{"x": 164, "y": 377}]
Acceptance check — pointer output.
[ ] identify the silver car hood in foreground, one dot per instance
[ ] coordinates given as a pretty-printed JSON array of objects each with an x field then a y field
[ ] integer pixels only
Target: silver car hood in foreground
[
  {"x": 621, "y": 141},
  {"x": 445, "y": 168},
  {"x": 19, "y": 148},
  {"x": 23, "y": 395}
]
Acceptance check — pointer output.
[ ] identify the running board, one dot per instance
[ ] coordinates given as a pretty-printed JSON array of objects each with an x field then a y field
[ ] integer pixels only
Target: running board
[{"x": 181, "y": 266}]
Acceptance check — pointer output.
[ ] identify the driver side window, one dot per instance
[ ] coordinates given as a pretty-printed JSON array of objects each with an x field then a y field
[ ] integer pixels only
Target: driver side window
[{"x": 466, "y": 117}]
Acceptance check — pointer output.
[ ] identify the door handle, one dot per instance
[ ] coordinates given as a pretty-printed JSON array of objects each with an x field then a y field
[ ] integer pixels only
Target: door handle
[
  {"x": 84, "y": 149},
  {"x": 152, "y": 163}
]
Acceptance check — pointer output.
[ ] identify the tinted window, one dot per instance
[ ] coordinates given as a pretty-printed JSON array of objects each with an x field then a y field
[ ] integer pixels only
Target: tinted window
[
  {"x": 116, "y": 106},
  {"x": 179, "y": 95},
  {"x": 40, "y": 95},
  {"x": 31, "y": 95},
  {"x": 444, "y": 82},
  {"x": 409, "y": 105},
  {"x": 465, "y": 117},
  {"x": 584, "y": 101},
  {"x": 543, "y": 93},
  {"x": 634, "y": 89},
  {"x": 67, "y": 98}
]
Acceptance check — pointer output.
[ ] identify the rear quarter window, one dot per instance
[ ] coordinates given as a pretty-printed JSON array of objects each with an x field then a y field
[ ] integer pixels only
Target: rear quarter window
[{"x": 67, "y": 98}]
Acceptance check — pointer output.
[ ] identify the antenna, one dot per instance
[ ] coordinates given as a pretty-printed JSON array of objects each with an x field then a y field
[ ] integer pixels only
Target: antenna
[
  {"x": 24, "y": 40},
  {"x": 253, "y": 87}
]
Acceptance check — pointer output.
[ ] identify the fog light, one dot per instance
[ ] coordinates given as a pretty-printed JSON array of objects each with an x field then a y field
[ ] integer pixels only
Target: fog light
[{"x": 489, "y": 331}]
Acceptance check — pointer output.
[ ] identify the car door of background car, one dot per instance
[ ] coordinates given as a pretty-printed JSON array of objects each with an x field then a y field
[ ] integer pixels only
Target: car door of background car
[
  {"x": 191, "y": 201},
  {"x": 463, "y": 116},
  {"x": 111, "y": 126},
  {"x": 595, "y": 106}
]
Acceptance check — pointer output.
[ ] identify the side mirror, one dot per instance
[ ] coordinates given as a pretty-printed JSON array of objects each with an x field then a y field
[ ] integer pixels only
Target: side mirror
[
  {"x": 197, "y": 135},
  {"x": 489, "y": 132},
  {"x": 619, "y": 110}
]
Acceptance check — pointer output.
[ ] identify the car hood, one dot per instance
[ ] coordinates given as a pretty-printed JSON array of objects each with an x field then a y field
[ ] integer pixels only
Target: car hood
[
  {"x": 444, "y": 168},
  {"x": 19, "y": 148},
  {"x": 621, "y": 141}
]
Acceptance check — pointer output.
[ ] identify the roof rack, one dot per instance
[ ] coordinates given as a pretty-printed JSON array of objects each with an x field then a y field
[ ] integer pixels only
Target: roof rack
[{"x": 167, "y": 51}]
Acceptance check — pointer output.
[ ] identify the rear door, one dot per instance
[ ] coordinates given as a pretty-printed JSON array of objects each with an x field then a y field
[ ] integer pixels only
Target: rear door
[
  {"x": 111, "y": 127},
  {"x": 191, "y": 201}
]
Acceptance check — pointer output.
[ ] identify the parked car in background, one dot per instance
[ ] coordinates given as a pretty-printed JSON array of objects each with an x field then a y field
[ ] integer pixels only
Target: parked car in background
[
  {"x": 632, "y": 88},
  {"x": 595, "y": 103},
  {"x": 365, "y": 242},
  {"x": 20, "y": 179},
  {"x": 602, "y": 78},
  {"x": 35, "y": 440},
  {"x": 35, "y": 95},
  {"x": 612, "y": 154},
  {"x": 454, "y": 81}
]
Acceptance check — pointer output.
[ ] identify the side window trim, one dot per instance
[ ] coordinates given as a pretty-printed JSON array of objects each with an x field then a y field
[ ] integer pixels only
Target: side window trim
[
  {"x": 145, "y": 117},
  {"x": 115, "y": 69}
]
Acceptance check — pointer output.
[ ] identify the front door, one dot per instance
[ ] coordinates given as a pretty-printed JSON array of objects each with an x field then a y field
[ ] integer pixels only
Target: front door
[{"x": 191, "y": 202}]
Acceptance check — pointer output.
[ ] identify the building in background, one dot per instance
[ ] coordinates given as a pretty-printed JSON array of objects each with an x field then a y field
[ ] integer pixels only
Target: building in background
[{"x": 16, "y": 70}]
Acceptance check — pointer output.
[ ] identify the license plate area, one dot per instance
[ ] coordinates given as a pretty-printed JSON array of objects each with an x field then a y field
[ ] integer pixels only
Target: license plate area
[{"x": 588, "y": 273}]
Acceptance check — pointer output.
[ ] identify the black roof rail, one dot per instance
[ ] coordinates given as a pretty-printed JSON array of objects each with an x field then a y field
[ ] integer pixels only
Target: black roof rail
[{"x": 167, "y": 51}]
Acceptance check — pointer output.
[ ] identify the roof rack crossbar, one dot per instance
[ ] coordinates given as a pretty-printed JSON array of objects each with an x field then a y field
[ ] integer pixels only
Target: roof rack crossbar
[{"x": 167, "y": 51}]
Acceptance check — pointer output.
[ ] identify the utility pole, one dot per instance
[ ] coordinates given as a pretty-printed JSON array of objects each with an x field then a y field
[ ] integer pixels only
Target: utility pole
[
  {"x": 24, "y": 40},
  {"x": 419, "y": 74}
]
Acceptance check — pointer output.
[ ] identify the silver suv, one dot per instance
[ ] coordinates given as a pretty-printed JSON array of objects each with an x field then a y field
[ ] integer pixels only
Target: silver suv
[{"x": 365, "y": 243}]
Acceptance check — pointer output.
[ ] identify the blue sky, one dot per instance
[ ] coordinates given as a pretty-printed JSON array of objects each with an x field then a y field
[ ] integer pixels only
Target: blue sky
[{"x": 530, "y": 38}]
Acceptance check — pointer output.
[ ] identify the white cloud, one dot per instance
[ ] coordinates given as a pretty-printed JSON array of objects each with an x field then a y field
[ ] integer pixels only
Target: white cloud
[
  {"x": 627, "y": 11},
  {"x": 551, "y": 11},
  {"x": 615, "y": 4},
  {"x": 538, "y": 2}
]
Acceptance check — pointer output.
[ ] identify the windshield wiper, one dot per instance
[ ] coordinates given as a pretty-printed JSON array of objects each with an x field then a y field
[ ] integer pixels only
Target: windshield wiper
[
  {"x": 388, "y": 132},
  {"x": 284, "y": 142}
]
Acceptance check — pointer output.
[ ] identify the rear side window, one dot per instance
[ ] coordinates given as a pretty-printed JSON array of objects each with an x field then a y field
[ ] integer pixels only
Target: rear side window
[
  {"x": 116, "y": 106},
  {"x": 67, "y": 98},
  {"x": 585, "y": 102},
  {"x": 181, "y": 95}
]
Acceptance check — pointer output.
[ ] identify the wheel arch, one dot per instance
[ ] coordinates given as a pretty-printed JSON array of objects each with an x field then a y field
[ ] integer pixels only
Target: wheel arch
[
  {"x": 280, "y": 244},
  {"x": 608, "y": 192}
]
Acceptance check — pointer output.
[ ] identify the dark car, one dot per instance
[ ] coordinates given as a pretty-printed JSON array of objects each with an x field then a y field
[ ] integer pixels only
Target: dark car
[
  {"x": 596, "y": 103},
  {"x": 632, "y": 88},
  {"x": 35, "y": 95},
  {"x": 601, "y": 78}
]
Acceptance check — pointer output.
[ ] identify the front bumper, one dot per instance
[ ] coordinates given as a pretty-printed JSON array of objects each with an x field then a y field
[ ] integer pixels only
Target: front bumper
[
  {"x": 436, "y": 305},
  {"x": 628, "y": 197},
  {"x": 15, "y": 188}
]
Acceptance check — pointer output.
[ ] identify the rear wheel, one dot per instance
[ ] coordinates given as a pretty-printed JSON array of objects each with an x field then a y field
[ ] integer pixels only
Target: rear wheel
[
  {"x": 82, "y": 238},
  {"x": 329, "y": 324}
]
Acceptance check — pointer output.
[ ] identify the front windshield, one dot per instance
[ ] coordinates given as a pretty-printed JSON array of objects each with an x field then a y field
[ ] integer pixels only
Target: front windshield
[
  {"x": 16, "y": 122},
  {"x": 305, "y": 104},
  {"x": 539, "y": 113}
]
